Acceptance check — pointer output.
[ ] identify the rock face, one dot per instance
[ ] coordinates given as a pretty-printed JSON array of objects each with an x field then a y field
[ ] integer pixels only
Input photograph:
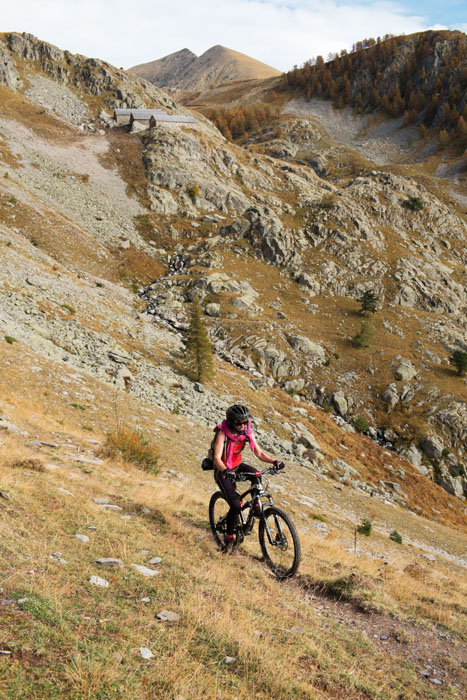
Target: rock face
[
  {"x": 275, "y": 243},
  {"x": 178, "y": 164}
]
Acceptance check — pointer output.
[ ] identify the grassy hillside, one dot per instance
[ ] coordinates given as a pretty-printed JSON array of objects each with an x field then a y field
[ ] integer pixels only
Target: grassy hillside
[{"x": 364, "y": 617}]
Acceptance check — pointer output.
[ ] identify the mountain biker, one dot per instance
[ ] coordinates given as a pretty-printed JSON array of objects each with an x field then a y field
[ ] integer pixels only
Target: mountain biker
[{"x": 231, "y": 437}]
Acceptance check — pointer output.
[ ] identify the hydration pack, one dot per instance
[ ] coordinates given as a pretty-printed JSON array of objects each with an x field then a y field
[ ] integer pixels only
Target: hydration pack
[{"x": 208, "y": 462}]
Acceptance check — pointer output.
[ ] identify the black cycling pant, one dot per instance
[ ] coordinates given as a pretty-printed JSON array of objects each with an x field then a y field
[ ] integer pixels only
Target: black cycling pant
[{"x": 230, "y": 492}]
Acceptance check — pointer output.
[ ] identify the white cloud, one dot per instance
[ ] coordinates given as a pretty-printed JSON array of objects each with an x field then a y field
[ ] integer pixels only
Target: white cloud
[{"x": 127, "y": 32}]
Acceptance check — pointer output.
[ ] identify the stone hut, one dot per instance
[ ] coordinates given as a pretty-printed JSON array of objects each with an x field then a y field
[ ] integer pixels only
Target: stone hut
[{"x": 123, "y": 116}]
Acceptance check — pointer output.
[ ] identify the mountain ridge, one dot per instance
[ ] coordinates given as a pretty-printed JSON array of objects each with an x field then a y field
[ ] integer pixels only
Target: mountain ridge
[{"x": 184, "y": 72}]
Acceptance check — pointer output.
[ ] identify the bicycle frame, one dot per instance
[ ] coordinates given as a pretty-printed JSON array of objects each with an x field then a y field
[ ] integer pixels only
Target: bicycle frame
[{"x": 257, "y": 493}]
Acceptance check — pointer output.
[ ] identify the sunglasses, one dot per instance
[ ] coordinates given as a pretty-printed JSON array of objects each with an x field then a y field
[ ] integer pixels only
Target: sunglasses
[{"x": 245, "y": 422}]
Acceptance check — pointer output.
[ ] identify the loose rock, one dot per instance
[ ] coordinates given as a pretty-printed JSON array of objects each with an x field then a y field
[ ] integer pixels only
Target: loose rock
[
  {"x": 167, "y": 616},
  {"x": 97, "y": 581}
]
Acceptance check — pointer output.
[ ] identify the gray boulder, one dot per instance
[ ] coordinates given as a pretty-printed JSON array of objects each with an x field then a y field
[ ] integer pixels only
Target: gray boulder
[
  {"x": 456, "y": 485},
  {"x": 213, "y": 310},
  {"x": 244, "y": 302},
  {"x": 312, "y": 285},
  {"x": 414, "y": 456},
  {"x": 390, "y": 395},
  {"x": 294, "y": 385},
  {"x": 304, "y": 345},
  {"x": 340, "y": 403},
  {"x": 405, "y": 371},
  {"x": 432, "y": 447},
  {"x": 272, "y": 241}
]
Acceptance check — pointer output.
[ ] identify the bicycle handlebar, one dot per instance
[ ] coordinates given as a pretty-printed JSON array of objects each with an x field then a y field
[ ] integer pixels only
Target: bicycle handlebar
[{"x": 246, "y": 476}]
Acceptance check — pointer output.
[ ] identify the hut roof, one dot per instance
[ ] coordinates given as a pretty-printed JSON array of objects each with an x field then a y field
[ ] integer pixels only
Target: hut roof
[
  {"x": 173, "y": 118},
  {"x": 147, "y": 113},
  {"x": 128, "y": 112}
]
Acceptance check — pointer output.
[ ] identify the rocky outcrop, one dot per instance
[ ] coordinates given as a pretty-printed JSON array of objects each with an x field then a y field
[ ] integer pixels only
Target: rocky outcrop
[
  {"x": 305, "y": 346},
  {"x": 190, "y": 173},
  {"x": 8, "y": 73},
  {"x": 89, "y": 75},
  {"x": 271, "y": 239}
]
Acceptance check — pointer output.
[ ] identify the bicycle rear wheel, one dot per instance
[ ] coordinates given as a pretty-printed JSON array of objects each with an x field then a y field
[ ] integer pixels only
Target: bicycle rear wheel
[
  {"x": 218, "y": 509},
  {"x": 282, "y": 553}
]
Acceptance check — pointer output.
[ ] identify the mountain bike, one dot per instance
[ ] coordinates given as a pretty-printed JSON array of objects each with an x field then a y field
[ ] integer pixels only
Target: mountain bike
[{"x": 277, "y": 534}]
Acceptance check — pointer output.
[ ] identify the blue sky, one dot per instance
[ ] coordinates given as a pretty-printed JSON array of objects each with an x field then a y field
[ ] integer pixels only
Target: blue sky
[
  {"x": 278, "y": 32},
  {"x": 452, "y": 13}
]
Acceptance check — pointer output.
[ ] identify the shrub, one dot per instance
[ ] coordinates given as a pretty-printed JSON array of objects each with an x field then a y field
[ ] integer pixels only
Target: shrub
[
  {"x": 361, "y": 424},
  {"x": 68, "y": 308},
  {"x": 413, "y": 203},
  {"x": 10, "y": 340},
  {"x": 34, "y": 242},
  {"x": 236, "y": 124},
  {"x": 336, "y": 355},
  {"x": 29, "y": 464},
  {"x": 365, "y": 528},
  {"x": 363, "y": 338},
  {"x": 133, "y": 447},
  {"x": 395, "y": 537},
  {"x": 12, "y": 200},
  {"x": 328, "y": 362},
  {"x": 328, "y": 201},
  {"x": 193, "y": 192}
]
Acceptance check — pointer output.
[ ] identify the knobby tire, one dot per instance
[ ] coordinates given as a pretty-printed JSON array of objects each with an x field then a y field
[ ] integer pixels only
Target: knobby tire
[
  {"x": 218, "y": 508},
  {"x": 283, "y": 557}
]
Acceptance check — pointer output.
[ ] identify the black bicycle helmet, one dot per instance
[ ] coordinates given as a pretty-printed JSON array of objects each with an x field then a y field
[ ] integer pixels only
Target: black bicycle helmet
[{"x": 237, "y": 414}]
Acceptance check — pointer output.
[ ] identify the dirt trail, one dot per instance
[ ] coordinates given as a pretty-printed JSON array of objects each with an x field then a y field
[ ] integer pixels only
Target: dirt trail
[{"x": 430, "y": 650}]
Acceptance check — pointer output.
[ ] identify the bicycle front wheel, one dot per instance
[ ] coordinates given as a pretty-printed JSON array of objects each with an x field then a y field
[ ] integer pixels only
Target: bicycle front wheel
[{"x": 279, "y": 542}]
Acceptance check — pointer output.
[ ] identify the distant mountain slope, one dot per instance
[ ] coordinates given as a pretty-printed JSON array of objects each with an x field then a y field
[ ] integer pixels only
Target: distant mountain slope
[
  {"x": 422, "y": 78},
  {"x": 184, "y": 72},
  {"x": 168, "y": 70}
]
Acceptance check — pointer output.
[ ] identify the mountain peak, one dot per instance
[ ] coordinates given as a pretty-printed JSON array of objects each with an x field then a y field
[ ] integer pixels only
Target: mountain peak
[{"x": 183, "y": 71}]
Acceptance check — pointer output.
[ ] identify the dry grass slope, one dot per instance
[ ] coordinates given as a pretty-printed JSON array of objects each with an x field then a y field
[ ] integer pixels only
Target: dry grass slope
[{"x": 350, "y": 625}]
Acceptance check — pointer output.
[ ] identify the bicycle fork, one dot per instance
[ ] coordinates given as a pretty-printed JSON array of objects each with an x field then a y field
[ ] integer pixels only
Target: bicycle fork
[{"x": 279, "y": 540}]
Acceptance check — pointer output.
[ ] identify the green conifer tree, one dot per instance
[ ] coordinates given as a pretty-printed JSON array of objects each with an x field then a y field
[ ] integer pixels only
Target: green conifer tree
[
  {"x": 368, "y": 301},
  {"x": 199, "y": 355},
  {"x": 459, "y": 360}
]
